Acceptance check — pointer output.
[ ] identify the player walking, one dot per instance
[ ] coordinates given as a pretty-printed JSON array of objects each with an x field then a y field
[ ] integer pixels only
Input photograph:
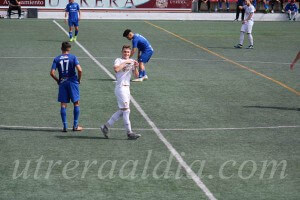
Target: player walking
[
  {"x": 145, "y": 52},
  {"x": 124, "y": 67},
  {"x": 68, "y": 83},
  {"x": 73, "y": 10},
  {"x": 247, "y": 25}
]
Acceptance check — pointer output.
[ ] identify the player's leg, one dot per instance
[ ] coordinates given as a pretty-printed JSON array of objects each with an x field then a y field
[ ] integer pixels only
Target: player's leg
[
  {"x": 116, "y": 116},
  {"x": 249, "y": 33},
  {"x": 70, "y": 30},
  {"x": 76, "y": 32},
  {"x": 294, "y": 16},
  {"x": 74, "y": 92},
  {"x": 63, "y": 98},
  {"x": 126, "y": 113},
  {"x": 63, "y": 114},
  {"x": 144, "y": 58},
  {"x": 242, "y": 33}
]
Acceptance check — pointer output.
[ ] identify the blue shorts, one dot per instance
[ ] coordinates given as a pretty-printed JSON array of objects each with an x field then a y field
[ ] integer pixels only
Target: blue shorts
[
  {"x": 145, "y": 56},
  {"x": 68, "y": 90},
  {"x": 73, "y": 23}
]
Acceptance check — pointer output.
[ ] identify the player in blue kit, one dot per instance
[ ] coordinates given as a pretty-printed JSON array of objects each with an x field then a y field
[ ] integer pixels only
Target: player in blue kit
[
  {"x": 74, "y": 12},
  {"x": 68, "y": 83},
  {"x": 145, "y": 51}
]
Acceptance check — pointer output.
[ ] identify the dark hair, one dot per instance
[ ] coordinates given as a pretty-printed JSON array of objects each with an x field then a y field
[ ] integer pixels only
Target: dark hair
[
  {"x": 65, "y": 46},
  {"x": 126, "y": 32},
  {"x": 126, "y": 47}
]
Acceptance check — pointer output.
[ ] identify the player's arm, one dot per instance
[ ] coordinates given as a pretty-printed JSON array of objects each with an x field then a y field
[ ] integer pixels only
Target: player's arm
[
  {"x": 249, "y": 17},
  {"x": 79, "y": 15},
  {"x": 66, "y": 15},
  {"x": 79, "y": 71},
  {"x": 295, "y": 60},
  {"x": 136, "y": 69},
  {"x": 119, "y": 67},
  {"x": 52, "y": 74},
  {"x": 132, "y": 52}
]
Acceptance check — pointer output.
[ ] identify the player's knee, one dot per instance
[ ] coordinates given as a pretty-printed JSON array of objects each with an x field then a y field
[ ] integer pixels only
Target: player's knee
[
  {"x": 76, "y": 103},
  {"x": 125, "y": 109},
  {"x": 63, "y": 105}
]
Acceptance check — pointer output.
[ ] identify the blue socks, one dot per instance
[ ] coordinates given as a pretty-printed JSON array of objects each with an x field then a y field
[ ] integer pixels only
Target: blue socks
[
  {"x": 63, "y": 114},
  {"x": 76, "y": 33},
  {"x": 76, "y": 115},
  {"x": 142, "y": 73},
  {"x": 70, "y": 34}
]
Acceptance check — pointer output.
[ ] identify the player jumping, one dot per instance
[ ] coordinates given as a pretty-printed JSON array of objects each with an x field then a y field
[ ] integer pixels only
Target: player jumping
[
  {"x": 247, "y": 25},
  {"x": 145, "y": 52},
  {"x": 74, "y": 12},
  {"x": 124, "y": 67},
  {"x": 68, "y": 83}
]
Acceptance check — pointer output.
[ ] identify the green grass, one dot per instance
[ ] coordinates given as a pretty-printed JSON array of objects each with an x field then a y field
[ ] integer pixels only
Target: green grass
[{"x": 182, "y": 93}]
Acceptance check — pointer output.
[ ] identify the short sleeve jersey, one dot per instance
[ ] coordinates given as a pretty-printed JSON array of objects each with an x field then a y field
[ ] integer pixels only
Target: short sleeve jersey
[
  {"x": 123, "y": 76},
  {"x": 66, "y": 65},
  {"x": 140, "y": 42},
  {"x": 248, "y": 10},
  {"x": 72, "y": 9}
]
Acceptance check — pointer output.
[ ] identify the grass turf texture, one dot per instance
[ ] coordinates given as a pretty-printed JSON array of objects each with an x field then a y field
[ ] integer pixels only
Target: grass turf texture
[{"x": 204, "y": 93}]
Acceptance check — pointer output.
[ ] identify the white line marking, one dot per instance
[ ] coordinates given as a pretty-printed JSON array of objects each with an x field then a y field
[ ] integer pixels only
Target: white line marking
[
  {"x": 178, "y": 157},
  {"x": 167, "y": 59},
  {"x": 163, "y": 129}
]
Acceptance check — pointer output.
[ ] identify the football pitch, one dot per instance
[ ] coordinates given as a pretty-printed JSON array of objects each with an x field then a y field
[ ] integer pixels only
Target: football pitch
[{"x": 216, "y": 122}]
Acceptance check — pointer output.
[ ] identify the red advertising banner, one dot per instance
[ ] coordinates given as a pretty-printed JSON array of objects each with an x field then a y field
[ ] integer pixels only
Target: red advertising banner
[
  {"x": 36, "y": 3},
  {"x": 167, "y": 4}
]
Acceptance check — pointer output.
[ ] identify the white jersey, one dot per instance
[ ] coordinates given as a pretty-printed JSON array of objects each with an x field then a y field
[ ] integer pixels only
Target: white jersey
[
  {"x": 123, "y": 76},
  {"x": 248, "y": 10}
]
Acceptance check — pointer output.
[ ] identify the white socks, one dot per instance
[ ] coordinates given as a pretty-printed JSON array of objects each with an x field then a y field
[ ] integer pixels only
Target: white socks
[
  {"x": 250, "y": 38},
  {"x": 126, "y": 120},
  {"x": 115, "y": 117},
  {"x": 242, "y": 38}
]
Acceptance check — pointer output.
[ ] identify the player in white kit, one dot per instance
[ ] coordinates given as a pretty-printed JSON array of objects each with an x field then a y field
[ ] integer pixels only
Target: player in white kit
[
  {"x": 124, "y": 68},
  {"x": 247, "y": 25}
]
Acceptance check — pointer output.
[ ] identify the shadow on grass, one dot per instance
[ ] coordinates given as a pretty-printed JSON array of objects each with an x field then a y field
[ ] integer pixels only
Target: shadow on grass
[
  {"x": 221, "y": 47},
  {"x": 85, "y": 137},
  {"x": 273, "y": 107},
  {"x": 101, "y": 79},
  {"x": 29, "y": 129}
]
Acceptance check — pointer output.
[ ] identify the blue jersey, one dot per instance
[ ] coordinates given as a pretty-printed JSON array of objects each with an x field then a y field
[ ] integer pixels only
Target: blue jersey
[
  {"x": 291, "y": 7},
  {"x": 138, "y": 41},
  {"x": 73, "y": 9},
  {"x": 66, "y": 64}
]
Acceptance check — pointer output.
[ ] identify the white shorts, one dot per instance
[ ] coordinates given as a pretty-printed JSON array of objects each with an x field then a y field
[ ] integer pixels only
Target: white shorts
[
  {"x": 123, "y": 96},
  {"x": 247, "y": 27}
]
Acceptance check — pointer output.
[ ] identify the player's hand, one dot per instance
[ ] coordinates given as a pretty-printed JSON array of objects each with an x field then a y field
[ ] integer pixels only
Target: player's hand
[{"x": 136, "y": 64}]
